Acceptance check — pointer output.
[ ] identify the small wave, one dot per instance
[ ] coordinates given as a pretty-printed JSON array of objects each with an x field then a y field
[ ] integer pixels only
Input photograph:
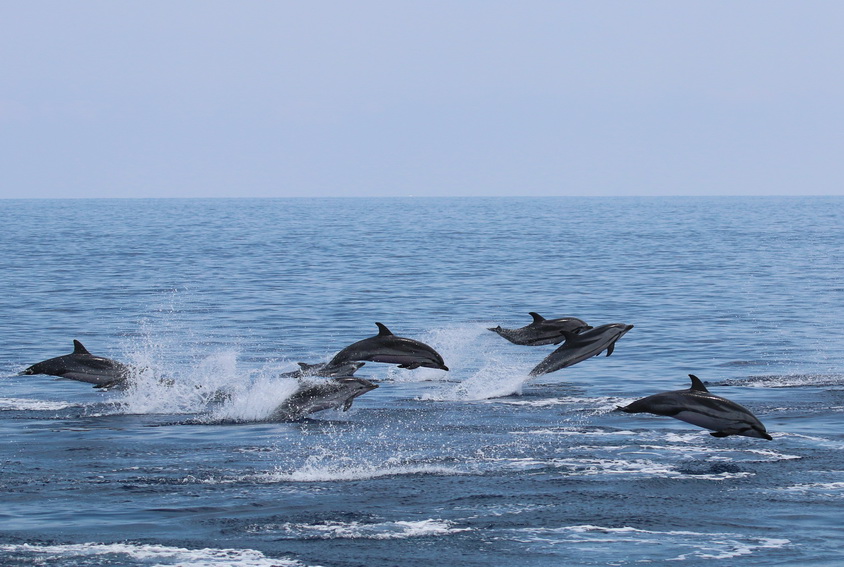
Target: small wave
[
  {"x": 689, "y": 544},
  {"x": 361, "y": 530},
  {"x": 597, "y": 405},
  {"x": 329, "y": 473},
  {"x": 829, "y": 489},
  {"x": 784, "y": 381},
  {"x": 141, "y": 554},
  {"x": 27, "y": 404},
  {"x": 588, "y": 466}
]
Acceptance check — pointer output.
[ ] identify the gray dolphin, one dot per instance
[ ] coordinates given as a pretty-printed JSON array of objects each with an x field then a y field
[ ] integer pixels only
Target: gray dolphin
[
  {"x": 579, "y": 347},
  {"x": 312, "y": 397},
  {"x": 697, "y": 406},
  {"x": 323, "y": 369},
  {"x": 542, "y": 331},
  {"x": 83, "y": 366},
  {"x": 387, "y": 347}
]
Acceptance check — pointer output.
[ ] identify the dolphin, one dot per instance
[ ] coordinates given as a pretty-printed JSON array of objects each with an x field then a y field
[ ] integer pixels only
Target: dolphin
[
  {"x": 542, "y": 331},
  {"x": 387, "y": 347},
  {"x": 83, "y": 366},
  {"x": 312, "y": 397},
  {"x": 323, "y": 369},
  {"x": 579, "y": 347},
  {"x": 697, "y": 406}
]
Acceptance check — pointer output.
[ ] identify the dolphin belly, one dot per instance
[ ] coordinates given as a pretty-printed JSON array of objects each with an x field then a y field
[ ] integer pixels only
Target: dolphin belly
[{"x": 706, "y": 421}]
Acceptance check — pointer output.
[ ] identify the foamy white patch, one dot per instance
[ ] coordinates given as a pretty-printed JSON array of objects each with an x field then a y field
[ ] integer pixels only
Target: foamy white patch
[
  {"x": 27, "y": 404},
  {"x": 256, "y": 400},
  {"x": 567, "y": 431},
  {"x": 119, "y": 553},
  {"x": 495, "y": 380},
  {"x": 691, "y": 545},
  {"x": 588, "y": 466},
  {"x": 789, "y": 381},
  {"x": 357, "y": 530},
  {"x": 188, "y": 390},
  {"x": 834, "y": 489},
  {"x": 340, "y": 471},
  {"x": 814, "y": 440},
  {"x": 597, "y": 405},
  {"x": 767, "y": 455},
  {"x": 458, "y": 345}
]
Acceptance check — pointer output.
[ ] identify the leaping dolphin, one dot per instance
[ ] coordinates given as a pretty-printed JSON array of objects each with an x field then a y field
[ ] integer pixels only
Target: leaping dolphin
[
  {"x": 542, "y": 331},
  {"x": 387, "y": 347},
  {"x": 323, "y": 369},
  {"x": 312, "y": 397},
  {"x": 697, "y": 406},
  {"x": 83, "y": 366},
  {"x": 579, "y": 347}
]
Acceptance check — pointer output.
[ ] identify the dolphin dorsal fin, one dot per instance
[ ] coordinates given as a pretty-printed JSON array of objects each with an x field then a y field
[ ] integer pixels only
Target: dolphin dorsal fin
[
  {"x": 383, "y": 331},
  {"x": 537, "y": 318},
  {"x": 697, "y": 385},
  {"x": 78, "y": 348},
  {"x": 304, "y": 365},
  {"x": 570, "y": 337}
]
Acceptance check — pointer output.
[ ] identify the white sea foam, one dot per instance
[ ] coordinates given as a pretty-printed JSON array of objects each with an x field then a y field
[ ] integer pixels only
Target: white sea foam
[
  {"x": 689, "y": 544},
  {"x": 579, "y": 432},
  {"x": 458, "y": 345},
  {"x": 163, "y": 556},
  {"x": 345, "y": 471},
  {"x": 27, "y": 404},
  {"x": 832, "y": 489},
  {"x": 497, "y": 379},
  {"x": 359, "y": 530},
  {"x": 214, "y": 386},
  {"x": 591, "y": 466},
  {"x": 597, "y": 405}
]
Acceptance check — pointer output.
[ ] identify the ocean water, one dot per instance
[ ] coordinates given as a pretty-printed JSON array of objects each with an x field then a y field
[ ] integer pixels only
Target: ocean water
[{"x": 476, "y": 466}]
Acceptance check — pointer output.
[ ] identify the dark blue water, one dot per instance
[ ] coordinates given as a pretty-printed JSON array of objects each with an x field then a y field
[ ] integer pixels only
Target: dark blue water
[{"x": 476, "y": 466}]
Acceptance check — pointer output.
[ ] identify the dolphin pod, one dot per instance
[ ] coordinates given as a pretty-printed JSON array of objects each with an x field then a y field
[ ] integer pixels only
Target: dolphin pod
[
  {"x": 697, "y": 406},
  {"x": 542, "y": 331}
]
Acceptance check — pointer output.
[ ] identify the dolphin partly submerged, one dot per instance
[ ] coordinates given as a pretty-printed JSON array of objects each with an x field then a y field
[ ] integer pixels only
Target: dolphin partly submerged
[
  {"x": 320, "y": 395},
  {"x": 83, "y": 366},
  {"x": 324, "y": 369},
  {"x": 697, "y": 406},
  {"x": 389, "y": 348},
  {"x": 542, "y": 331},
  {"x": 579, "y": 347}
]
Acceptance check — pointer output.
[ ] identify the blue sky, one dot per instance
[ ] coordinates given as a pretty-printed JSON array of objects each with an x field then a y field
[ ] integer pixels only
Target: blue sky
[{"x": 283, "y": 99}]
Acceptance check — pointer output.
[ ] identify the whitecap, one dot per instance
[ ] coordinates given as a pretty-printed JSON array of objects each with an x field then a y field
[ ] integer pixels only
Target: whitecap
[
  {"x": 119, "y": 553},
  {"x": 689, "y": 544},
  {"x": 360, "y": 530},
  {"x": 27, "y": 404}
]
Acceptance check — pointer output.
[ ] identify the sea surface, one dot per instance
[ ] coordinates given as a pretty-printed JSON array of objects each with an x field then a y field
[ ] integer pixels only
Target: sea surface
[{"x": 477, "y": 466}]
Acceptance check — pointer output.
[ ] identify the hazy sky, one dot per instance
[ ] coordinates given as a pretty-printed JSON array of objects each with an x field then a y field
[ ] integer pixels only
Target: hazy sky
[{"x": 205, "y": 98}]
